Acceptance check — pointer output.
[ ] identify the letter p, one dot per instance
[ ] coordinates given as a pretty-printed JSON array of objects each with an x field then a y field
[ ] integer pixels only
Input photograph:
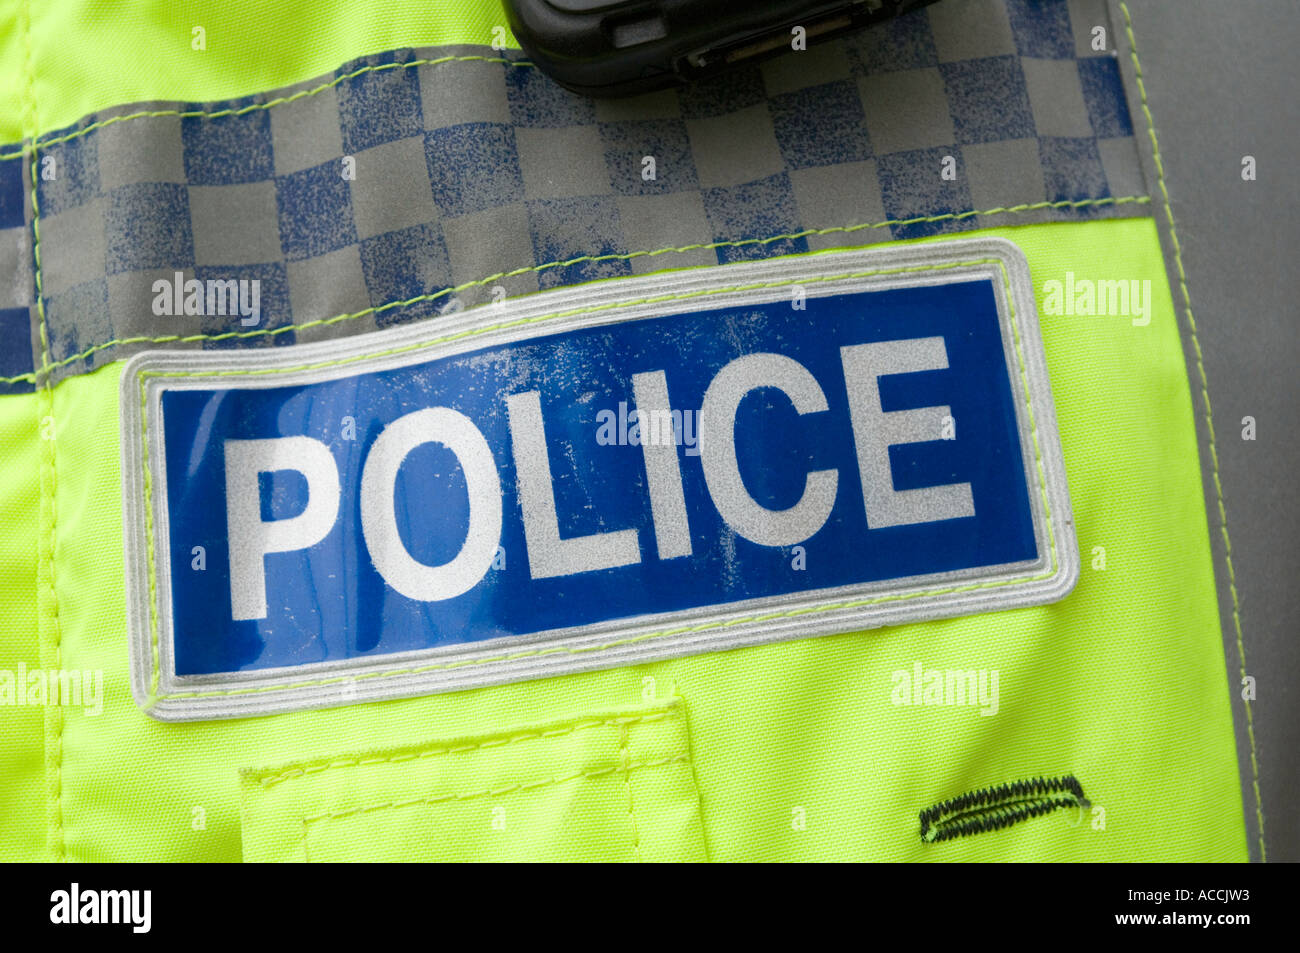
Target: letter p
[{"x": 251, "y": 537}]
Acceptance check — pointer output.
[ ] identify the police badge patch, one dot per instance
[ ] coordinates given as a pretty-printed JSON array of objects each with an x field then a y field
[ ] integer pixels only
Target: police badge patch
[{"x": 594, "y": 476}]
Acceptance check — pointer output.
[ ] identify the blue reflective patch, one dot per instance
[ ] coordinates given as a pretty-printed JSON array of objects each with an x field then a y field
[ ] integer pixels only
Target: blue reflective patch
[{"x": 909, "y": 401}]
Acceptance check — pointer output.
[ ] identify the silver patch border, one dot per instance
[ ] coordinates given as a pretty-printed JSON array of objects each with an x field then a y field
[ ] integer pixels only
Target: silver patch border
[{"x": 617, "y": 642}]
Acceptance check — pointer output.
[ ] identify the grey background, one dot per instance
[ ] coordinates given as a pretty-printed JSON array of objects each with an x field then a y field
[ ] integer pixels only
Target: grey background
[{"x": 1221, "y": 84}]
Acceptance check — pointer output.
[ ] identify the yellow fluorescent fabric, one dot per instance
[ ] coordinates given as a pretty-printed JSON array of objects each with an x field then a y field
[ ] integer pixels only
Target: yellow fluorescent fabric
[
  {"x": 797, "y": 750},
  {"x": 22, "y": 786},
  {"x": 87, "y": 55}
]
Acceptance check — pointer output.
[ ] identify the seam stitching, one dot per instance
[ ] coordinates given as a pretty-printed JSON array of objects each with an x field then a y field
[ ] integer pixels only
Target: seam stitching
[
  {"x": 569, "y": 649},
  {"x": 582, "y": 259},
  {"x": 496, "y": 792},
  {"x": 625, "y": 761},
  {"x": 680, "y": 704},
  {"x": 252, "y": 107},
  {"x": 49, "y": 472},
  {"x": 149, "y": 549},
  {"x": 1209, "y": 419},
  {"x": 320, "y": 767}
]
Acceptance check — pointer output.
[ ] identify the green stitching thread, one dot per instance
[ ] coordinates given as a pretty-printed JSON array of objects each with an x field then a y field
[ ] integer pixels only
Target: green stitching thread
[
  {"x": 567, "y": 649},
  {"x": 1209, "y": 418},
  {"x": 319, "y": 767},
  {"x": 529, "y": 269},
  {"x": 323, "y": 322},
  {"x": 625, "y": 762},
  {"x": 279, "y": 100},
  {"x": 149, "y": 548},
  {"x": 53, "y": 716},
  {"x": 496, "y": 792}
]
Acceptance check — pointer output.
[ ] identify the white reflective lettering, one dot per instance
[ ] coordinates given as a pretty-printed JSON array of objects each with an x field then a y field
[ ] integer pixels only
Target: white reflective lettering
[
  {"x": 251, "y": 538},
  {"x": 876, "y": 430},
  {"x": 548, "y": 554},
  {"x": 457, "y": 433},
  {"x": 662, "y": 468},
  {"x": 718, "y": 451}
]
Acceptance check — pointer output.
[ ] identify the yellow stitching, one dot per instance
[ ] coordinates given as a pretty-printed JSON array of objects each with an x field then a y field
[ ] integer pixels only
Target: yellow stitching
[
  {"x": 568, "y": 649},
  {"x": 551, "y": 316},
  {"x": 1209, "y": 419},
  {"x": 625, "y": 762},
  {"x": 625, "y": 256},
  {"x": 149, "y": 548},
  {"x": 415, "y": 755},
  {"x": 580, "y": 650},
  {"x": 49, "y": 463},
  {"x": 279, "y": 100},
  {"x": 496, "y": 792},
  {"x": 679, "y": 702},
  {"x": 1033, "y": 423}
]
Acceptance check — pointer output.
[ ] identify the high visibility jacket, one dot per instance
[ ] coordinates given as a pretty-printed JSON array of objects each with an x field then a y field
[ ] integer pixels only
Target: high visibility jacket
[{"x": 378, "y": 168}]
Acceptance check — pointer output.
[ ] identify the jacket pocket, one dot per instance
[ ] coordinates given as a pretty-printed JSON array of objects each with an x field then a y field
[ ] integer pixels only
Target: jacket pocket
[{"x": 608, "y": 786}]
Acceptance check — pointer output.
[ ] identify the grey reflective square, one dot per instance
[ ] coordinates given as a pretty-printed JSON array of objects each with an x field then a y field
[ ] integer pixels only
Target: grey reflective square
[
  {"x": 130, "y": 305},
  {"x": 463, "y": 91},
  {"x": 735, "y": 148},
  {"x": 1119, "y": 157},
  {"x": 77, "y": 319},
  {"x": 562, "y": 163},
  {"x": 837, "y": 196},
  {"x": 306, "y": 132},
  {"x": 141, "y": 150},
  {"x": 1002, "y": 174},
  {"x": 906, "y": 110},
  {"x": 483, "y": 245},
  {"x": 672, "y": 220},
  {"x": 1056, "y": 98},
  {"x": 72, "y": 247},
  {"x": 326, "y": 286},
  {"x": 392, "y": 190},
  {"x": 1085, "y": 16},
  {"x": 970, "y": 29},
  {"x": 17, "y": 285},
  {"x": 234, "y": 224},
  {"x": 827, "y": 63}
]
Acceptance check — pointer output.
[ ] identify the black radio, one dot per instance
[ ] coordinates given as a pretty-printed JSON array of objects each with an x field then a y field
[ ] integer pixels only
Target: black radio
[{"x": 622, "y": 47}]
